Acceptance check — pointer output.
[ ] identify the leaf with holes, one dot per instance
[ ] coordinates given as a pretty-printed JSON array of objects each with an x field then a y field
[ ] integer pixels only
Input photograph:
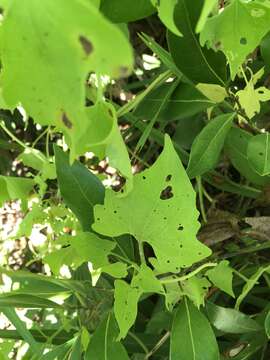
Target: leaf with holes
[
  {"x": 258, "y": 153},
  {"x": 237, "y": 30},
  {"x": 160, "y": 210},
  {"x": 57, "y": 50},
  {"x": 196, "y": 289},
  {"x": 125, "y": 306},
  {"x": 192, "y": 336},
  {"x": 206, "y": 148}
]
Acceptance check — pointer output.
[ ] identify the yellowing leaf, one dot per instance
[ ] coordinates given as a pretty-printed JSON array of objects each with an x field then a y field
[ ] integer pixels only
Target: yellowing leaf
[
  {"x": 214, "y": 92},
  {"x": 160, "y": 210}
]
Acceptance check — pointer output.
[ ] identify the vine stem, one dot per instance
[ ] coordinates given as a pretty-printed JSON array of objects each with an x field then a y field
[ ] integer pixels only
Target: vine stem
[
  {"x": 13, "y": 137},
  {"x": 141, "y": 252},
  {"x": 185, "y": 277},
  {"x": 158, "y": 345},
  {"x": 145, "y": 349}
]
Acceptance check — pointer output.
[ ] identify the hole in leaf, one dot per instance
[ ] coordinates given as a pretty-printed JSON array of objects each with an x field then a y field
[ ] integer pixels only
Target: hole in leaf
[
  {"x": 168, "y": 178},
  {"x": 181, "y": 246},
  {"x": 66, "y": 121},
  {"x": 144, "y": 178},
  {"x": 115, "y": 212},
  {"x": 243, "y": 41},
  {"x": 261, "y": 92},
  {"x": 164, "y": 218},
  {"x": 86, "y": 45},
  {"x": 180, "y": 227},
  {"x": 166, "y": 193},
  {"x": 260, "y": 153}
]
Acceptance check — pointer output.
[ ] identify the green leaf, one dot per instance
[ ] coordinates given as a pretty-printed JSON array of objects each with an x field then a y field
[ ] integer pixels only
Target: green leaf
[
  {"x": 20, "y": 326},
  {"x": 236, "y": 148},
  {"x": 102, "y": 136},
  {"x": 198, "y": 64},
  {"x": 121, "y": 11},
  {"x": 92, "y": 248},
  {"x": 184, "y": 101},
  {"x": 237, "y": 30},
  {"x": 192, "y": 336},
  {"x": 59, "y": 352},
  {"x": 117, "y": 270},
  {"x": 162, "y": 200},
  {"x": 267, "y": 324},
  {"x": 13, "y": 188},
  {"x": 103, "y": 344},
  {"x": 187, "y": 130},
  {"x": 258, "y": 153},
  {"x": 215, "y": 93},
  {"x": 35, "y": 159},
  {"x": 196, "y": 289},
  {"x": 26, "y": 301},
  {"x": 76, "y": 351},
  {"x": 206, "y": 11},
  {"x": 51, "y": 90},
  {"x": 65, "y": 256},
  {"x": 125, "y": 306},
  {"x": 80, "y": 189},
  {"x": 146, "y": 281},
  {"x": 221, "y": 276},
  {"x": 206, "y": 148},
  {"x": 230, "y": 320},
  {"x": 166, "y": 9}
]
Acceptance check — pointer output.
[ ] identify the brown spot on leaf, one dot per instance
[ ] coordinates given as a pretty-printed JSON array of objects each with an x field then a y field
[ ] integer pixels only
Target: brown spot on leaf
[
  {"x": 66, "y": 121},
  {"x": 86, "y": 45},
  {"x": 166, "y": 193},
  {"x": 123, "y": 70}
]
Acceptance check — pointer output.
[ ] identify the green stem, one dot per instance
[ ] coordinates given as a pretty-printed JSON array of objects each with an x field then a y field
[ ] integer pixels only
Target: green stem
[
  {"x": 145, "y": 349},
  {"x": 188, "y": 276},
  {"x": 200, "y": 191},
  {"x": 13, "y": 137},
  {"x": 240, "y": 275},
  {"x": 141, "y": 252},
  {"x": 135, "y": 102}
]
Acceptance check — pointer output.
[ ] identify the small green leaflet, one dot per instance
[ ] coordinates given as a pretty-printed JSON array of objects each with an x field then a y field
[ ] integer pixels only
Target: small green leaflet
[
  {"x": 103, "y": 344},
  {"x": 250, "y": 98},
  {"x": 196, "y": 289},
  {"x": 230, "y": 320},
  {"x": 221, "y": 276},
  {"x": 65, "y": 256},
  {"x": 125, "y": 306},
  {"x": 166, "y": 10},
  {"x": 192, "y": 337},
  {"x": 35, "y": 159},
  {"x": 258, "y": 153},
  {"x": 237, "y": 30},
  {"x": 57, "y": 52},
  {"x": 206, "y": 148},
  {"x": 102, "y": 136},
  {"x": 159, "y": 210},
  {"x": 146, "y": 281},
  {"x": 13, "y": 188},
  {"x": 236, "y": 148}
]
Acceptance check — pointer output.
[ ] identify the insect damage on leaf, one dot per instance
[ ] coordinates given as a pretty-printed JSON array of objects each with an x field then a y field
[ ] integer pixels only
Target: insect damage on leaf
[
  {"x": 86, "y": 45},
  {"x": 162, "y": 215},
  {"x": 66, "y": 121}
]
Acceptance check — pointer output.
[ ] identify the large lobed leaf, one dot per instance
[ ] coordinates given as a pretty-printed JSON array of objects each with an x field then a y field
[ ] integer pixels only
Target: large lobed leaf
[{"x": 160, "y": 210}]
